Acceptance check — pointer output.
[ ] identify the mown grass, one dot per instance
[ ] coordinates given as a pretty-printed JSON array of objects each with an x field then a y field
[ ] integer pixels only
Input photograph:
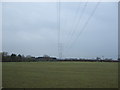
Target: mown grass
[
  {"x": 0, "y": 75},
  {"x": 60, "y": 75}
]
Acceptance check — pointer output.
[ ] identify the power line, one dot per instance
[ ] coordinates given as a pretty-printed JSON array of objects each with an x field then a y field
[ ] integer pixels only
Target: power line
[
  {"x": 60, "y": 46},
  {"x": 86, "y": 23},
  {"x": 73, "y": 19},
  {"x": 79, "y": 19}
]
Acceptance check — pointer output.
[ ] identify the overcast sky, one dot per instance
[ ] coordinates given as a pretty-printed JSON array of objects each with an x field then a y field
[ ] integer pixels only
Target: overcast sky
[{"x": 86, "y": 29}]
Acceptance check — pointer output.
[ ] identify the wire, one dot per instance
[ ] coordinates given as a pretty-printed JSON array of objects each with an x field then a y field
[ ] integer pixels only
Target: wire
[
  {"x": 86, "y": 23},
  {"x": 69, "y": 21},
  {"x": 79, "y": 19}
]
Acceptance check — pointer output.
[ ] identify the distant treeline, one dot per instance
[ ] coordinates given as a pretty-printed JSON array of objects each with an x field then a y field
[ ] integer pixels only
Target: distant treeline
[{"x": 22, "y": 58}]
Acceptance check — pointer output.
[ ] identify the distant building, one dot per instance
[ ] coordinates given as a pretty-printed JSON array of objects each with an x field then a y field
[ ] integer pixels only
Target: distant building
[{"x": 45, "y": 58}]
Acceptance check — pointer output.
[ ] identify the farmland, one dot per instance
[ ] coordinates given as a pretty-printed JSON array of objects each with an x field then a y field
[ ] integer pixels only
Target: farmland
[{"x": 60, "y": 74}]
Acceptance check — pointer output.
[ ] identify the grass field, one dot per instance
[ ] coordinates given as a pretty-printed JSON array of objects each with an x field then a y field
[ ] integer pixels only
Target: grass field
[
  {"x": 60, "y": 75},
  {"x": 0, "y": 74}
]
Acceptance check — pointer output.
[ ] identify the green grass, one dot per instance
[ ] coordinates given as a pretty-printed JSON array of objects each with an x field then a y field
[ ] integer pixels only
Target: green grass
[
  {"x": 60, "y": 75},
  {"x": 0, "y": 75}
]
